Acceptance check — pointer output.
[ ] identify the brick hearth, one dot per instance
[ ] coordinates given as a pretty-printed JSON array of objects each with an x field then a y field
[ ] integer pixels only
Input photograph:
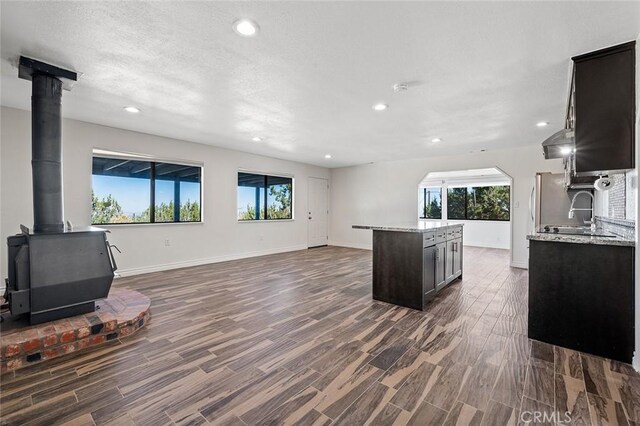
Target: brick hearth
[{"x": 121, "y": 314}]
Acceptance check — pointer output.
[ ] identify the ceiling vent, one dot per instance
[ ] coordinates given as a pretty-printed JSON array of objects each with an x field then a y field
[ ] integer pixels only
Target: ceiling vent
[{"x": 400, "y": 87}]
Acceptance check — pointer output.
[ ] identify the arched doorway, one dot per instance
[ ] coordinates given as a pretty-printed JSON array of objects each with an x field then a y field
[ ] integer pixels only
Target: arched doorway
[{"x": 481, "y": 199}]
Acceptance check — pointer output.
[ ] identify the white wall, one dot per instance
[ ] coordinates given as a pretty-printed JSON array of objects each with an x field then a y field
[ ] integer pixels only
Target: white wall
[
  {"x": 481, "y": 233},
  {"x": 220, "y": 237},
  {"x": 386, "y": 192}
]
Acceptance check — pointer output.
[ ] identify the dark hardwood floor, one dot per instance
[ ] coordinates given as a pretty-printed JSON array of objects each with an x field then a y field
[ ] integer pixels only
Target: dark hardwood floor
[{"x": 296, "y": 339}]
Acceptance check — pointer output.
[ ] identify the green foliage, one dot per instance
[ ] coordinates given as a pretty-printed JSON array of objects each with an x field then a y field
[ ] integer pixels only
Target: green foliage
[
  {"x": 279, "y": 205},
  {"x": 247, "y": 214},
  {"x": 481, "y": 203},
  {"x": 431, "y": 199},
  {"x": 108, "y": 210},
  {"x": 488, "y": 203},
  {"x": 433, "y": 210},
  {"x": 164, "y": 212},
  {"x": 281, "y": 208},
  {"x": 190, "y": 211},
  {"x": 456, "y": 203}
]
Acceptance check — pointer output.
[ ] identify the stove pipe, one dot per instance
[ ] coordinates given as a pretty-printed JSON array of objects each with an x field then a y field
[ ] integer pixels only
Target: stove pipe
[
  {"x": 46, "y": 153},
  {"x": 46, "y": 141}
]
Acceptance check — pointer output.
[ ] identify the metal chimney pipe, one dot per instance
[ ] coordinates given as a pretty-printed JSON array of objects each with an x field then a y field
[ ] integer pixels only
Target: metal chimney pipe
[
  {"x": 46, "y": 153},
  {"x": 47, "y": 82}
]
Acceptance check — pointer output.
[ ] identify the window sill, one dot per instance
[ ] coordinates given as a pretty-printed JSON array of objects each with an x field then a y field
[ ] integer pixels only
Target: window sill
[
  {"x": 468, "y": 220},
  {"x": 266, "y": 221},
  {"x": 102, "y": 225}
]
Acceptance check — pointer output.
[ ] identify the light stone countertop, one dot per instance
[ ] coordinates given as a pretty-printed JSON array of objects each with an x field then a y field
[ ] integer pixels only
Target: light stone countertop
[
  {"x": 582, "y": 239},
  {"x": 421, "y": 226}
]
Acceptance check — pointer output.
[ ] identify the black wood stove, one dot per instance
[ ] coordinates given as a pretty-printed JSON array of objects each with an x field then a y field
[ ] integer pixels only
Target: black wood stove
[{"x": 54, "y": 271}]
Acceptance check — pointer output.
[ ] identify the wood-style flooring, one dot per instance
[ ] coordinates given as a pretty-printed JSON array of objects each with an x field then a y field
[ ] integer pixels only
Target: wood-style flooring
[{"x": 296, "y": 339}]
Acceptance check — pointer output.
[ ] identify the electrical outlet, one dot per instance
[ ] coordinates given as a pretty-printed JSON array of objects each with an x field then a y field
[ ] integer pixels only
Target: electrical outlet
[{"x": 167, "y": 243}]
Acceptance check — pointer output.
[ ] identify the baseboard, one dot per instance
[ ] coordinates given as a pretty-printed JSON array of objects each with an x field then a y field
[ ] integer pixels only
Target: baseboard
[
  {"x": 188, "y": 263},
  {"x": 466, "y": 244},
  {"x": 520, "y": 265},
  {"x": 351, "y": 245}
]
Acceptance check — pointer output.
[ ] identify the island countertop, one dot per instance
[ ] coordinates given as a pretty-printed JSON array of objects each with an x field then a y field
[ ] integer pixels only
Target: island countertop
[{"x": 410, "y": 226}]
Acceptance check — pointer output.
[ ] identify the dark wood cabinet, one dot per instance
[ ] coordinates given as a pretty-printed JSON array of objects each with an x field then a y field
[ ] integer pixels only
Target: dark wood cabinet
[
  {"x": 409, "y": 268},
  {"x": 457, "y": 257},
  {"x": 449, "y": 260},
  {"x": 605, "y": 109},
  {"x": 441, "y": 270},
  {"x": 429, "y": 273},
  {"x": 454, "y": 254},
  {"x": 581, "y": 296}
]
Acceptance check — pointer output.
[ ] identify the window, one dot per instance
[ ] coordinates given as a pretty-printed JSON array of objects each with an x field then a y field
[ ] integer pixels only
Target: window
[
  {"x": 263, "y": 197},
  {"x": 430, "y": 203},
  {"x": 457, "y": 203},
  {"x": 134, "y": 191},
  {"x": 479, "y": 203}
]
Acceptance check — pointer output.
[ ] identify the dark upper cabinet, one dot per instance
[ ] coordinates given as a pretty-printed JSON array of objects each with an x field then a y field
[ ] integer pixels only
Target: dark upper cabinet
[{"x": 605, "y": 109}]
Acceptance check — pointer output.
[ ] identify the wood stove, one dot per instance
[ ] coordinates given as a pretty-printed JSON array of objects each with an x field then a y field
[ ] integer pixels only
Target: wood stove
[{"x": 54, "y": 271}]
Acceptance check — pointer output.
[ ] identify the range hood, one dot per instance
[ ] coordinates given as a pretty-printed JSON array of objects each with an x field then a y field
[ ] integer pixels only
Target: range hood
[{"x": 560, "y": 144}]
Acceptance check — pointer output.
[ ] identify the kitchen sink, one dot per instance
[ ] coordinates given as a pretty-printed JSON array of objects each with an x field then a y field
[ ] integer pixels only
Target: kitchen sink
[{"x": 573, "y": 230}]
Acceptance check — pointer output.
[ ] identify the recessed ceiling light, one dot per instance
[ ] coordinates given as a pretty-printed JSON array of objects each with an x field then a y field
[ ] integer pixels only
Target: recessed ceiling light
[
  {"x": 132, "y": 109},
  {"x": 436, "y": 140},
  {"x": 245, "y": 27},
  {"x": 328, "y": 156},
  {"x": 256, "y": 139},
  {"x": 380, "y": 107},
  {"x": 542, "y": 124}
]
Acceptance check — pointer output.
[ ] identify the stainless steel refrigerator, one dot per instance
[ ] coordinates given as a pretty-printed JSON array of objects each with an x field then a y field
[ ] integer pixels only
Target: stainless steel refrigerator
[{"x": 550, "y": 203}]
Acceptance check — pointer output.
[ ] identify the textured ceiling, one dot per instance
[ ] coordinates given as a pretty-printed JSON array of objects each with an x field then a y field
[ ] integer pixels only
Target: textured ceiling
[{"x": 482, "y": 73}]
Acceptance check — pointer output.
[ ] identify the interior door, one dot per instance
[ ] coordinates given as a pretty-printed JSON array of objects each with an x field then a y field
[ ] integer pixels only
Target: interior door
[{"x": 318, "y": 217}]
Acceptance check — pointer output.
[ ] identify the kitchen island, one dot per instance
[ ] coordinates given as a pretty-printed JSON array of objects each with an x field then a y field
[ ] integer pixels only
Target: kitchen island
[
  {"x": 581, "y": 293},
  {"x": 412, "y": 262}
]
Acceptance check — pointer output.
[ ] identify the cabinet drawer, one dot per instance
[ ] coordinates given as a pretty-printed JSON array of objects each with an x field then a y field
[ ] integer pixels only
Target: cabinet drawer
[
  {"x": 453, "y": 233},
  {"x": 428, "y": 239},
  {"x": 441, "y": 235}
]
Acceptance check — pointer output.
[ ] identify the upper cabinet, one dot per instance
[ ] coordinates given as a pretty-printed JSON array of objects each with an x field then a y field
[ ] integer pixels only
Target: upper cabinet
[{"x": 605, "y": 109}]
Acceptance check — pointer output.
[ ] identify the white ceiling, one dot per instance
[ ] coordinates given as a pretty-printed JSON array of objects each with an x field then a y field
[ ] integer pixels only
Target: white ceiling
[{"x": 483, "y": 73}]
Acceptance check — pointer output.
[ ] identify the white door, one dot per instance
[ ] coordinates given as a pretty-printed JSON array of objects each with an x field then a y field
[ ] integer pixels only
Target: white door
[{"x": 318, "y": 216}]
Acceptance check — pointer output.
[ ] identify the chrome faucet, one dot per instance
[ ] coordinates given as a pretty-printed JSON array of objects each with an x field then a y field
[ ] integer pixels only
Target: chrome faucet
[{"x": 573, "y": 209}]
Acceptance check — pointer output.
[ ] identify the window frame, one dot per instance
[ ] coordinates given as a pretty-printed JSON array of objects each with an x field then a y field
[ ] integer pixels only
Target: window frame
[
  {"x": 424, "y": 202},
  {"x": 266, "y": 175},
  {"x": 152, "y": 160},
  {"x": 466, "y": 204}
]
